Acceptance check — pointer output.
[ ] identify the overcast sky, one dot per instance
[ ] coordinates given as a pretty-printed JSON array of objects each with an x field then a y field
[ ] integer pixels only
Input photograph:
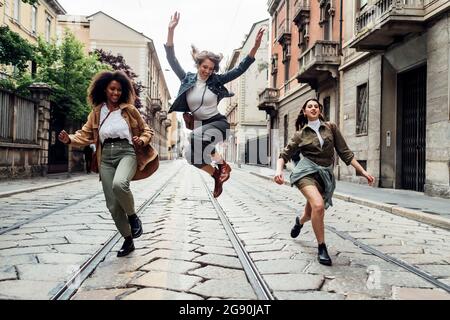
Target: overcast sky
[{"x": 214, "y": 25}]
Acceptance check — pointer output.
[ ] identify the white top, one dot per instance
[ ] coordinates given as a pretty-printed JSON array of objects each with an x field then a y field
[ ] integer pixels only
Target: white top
[
  {"x": 194, "y": 99},
  {"x": 315, "y": 125},
  {"x": 114, "y": 127}
]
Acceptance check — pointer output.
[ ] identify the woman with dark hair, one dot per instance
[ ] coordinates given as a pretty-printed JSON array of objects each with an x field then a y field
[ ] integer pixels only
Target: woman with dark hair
[
  {"x": 120, "y": 135},
  {"x": 198, "y": 97},
  {"x": 316, "y": 140}
]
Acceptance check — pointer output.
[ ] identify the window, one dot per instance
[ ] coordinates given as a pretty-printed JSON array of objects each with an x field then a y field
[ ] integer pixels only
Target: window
[
  {"x": 17, "y": 10},
  {"x": 33, "y": 19},
  {"x": 48, "y": 28},
  {"x": 327, "y": 24},
  {"x": 326, "y": 107},
  {"x": 286, "y": 130},
  {"x": 362, "y": 109}
]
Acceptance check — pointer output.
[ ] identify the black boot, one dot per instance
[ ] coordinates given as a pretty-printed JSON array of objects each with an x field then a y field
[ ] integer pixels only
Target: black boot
[
  {"x": 127, "y": 247},
  {"x": 295, "y": 231},
  {"x": 136, "y": 226},
  {"x": 323, "y": 256}
]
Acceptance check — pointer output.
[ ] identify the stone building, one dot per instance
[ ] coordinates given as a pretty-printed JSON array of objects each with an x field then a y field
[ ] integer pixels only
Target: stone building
[
  {"x": 304, "y": 64},
  {"x": 395, "y": 84},
  {"x": 25, "y": 121}
]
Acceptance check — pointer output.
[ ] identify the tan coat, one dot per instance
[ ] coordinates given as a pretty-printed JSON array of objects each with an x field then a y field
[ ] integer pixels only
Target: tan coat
[{"x": 147, "y": 162}]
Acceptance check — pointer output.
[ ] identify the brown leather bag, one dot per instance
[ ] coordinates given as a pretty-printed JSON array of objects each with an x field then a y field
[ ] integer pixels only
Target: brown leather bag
[{"x": 188, "y": 120}]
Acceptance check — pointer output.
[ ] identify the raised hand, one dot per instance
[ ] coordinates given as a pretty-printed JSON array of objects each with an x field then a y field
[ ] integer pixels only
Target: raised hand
[
  {"x": 257, "y": 42},
  {"x": 259, "y": 38},
  {"x": 174, "y": 20},
  {"x": 64, "y": 137}
]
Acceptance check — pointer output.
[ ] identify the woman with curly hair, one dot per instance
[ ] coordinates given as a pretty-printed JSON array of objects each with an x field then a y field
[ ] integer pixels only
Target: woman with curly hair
[
  {"x": 120, "y": 134},
  {"x": 198, "y": 97}
]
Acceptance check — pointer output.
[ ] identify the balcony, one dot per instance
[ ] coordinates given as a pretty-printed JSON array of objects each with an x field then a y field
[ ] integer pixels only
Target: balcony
[
  {"x": 268, "y": 101},
  {"x": 386, "y": 22},
  {"x": 155, "y": 105},
  {"x": 301, "y": 12},
  {"x": 319, "y": 63},
  {"x": 273, "y": 5},
  {"x": 283, "y": 35}
]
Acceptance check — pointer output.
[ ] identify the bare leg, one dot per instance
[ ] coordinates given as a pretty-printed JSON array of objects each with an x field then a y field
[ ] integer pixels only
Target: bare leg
[
  {"x": 306, "y": 214},
  {"x": 315, "y": 200}
]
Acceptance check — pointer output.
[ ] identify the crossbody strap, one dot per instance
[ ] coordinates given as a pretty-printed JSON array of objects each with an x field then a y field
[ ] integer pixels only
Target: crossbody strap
[
  {"x": 101, "y": 124},
  {"x": 201, "y": 104}
]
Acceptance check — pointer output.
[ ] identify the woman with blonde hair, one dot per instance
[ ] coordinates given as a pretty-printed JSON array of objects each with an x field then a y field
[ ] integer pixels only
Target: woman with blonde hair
[{"x": 198, "y": 98}]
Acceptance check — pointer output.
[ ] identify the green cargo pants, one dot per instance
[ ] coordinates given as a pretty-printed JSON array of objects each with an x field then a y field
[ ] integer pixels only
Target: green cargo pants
[{"x": 117, "y": 168}]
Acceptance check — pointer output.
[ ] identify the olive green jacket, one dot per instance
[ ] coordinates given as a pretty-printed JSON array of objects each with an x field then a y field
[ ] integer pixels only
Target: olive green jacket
[{"x": 307, "y": 143}]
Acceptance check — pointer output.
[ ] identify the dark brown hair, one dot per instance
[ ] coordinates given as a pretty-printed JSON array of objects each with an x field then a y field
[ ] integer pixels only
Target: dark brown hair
[
  {"x": 201, "y": 56},
  {"x": 97, "y": 89},
  {"x": 302, "y": 119}
]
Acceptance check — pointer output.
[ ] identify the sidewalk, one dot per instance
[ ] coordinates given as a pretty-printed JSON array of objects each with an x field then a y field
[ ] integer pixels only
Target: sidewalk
[
  {"x": 410, "y": 204},
  {"x": 9, "y": 187}
]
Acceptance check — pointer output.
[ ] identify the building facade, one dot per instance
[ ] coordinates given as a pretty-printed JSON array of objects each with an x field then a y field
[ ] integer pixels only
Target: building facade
[
  {"x": 31, "y": 21},
  {"x": 247, "y": 142},
  {"x": 396, "y": 92},
  {"x": 100, "y": 31},
  {"x": 305, "y": 43},
  {"x": 382, "y": 71}
]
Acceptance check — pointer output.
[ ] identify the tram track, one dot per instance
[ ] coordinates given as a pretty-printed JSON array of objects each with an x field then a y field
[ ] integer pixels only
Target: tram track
[
  {"x": 76, "y": 280},
  {"x": 15, "y": 226},
  {"x": 367, "y": 248},
  {"x": 256, "y": 280}
]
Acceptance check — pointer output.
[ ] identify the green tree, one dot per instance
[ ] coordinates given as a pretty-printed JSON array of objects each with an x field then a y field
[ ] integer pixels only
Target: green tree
[
  {"x": 69, "y": 71},
  {"x": 14, "y": 50}
]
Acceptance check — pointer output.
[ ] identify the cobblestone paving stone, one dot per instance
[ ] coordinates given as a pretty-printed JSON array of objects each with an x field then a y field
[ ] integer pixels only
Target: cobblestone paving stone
[
  {"x": 45, "y": 253},
  {"x": 191, "y": 257},
  {"x": 185, "y": 252},
  {"x": 355, "y": 274}
]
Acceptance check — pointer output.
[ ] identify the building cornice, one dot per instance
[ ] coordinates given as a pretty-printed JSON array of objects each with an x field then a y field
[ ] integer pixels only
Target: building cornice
[{"x": 56, "y": 6}]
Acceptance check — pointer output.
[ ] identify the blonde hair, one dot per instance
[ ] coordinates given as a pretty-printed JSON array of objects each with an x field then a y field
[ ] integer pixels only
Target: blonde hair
[{"x": 200, "y": 56}]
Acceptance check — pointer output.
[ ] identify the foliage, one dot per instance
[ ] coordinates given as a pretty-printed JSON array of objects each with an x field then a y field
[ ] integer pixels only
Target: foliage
[
  {"x": 69, "y": 71},
  {"x": 14, "y": 50}
]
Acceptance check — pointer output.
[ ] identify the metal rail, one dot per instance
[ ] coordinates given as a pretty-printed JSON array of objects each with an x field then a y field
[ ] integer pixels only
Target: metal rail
[
  {"x": 260, "y": 287},
  {"x": 75, "y": 282},
  {"x": 408, "y": 267}
]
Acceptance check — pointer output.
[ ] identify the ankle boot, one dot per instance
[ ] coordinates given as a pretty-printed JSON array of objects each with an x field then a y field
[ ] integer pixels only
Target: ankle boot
[
  {"x": 225, "y": 170},
  {"x": 323, "y": 256},
  {"x": 127, "y": 247},
  {"x": 136, "y": 226},
  {"x": 217, "y": 183},
  {"x": 295, "y": 231}
]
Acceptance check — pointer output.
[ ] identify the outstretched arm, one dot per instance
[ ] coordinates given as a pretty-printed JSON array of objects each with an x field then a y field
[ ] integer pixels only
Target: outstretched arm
[
  {"x": 246, "y": 62},
  {"x": 257, "y": 43},
  {"x": 172, "y": 25},
  {"x": 170, "y": 52},
  {"x": 359, "y": 169}
]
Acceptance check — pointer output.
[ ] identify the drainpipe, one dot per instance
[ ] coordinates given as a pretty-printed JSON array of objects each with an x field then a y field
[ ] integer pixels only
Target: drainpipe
[{"x": 340, "y": 27}]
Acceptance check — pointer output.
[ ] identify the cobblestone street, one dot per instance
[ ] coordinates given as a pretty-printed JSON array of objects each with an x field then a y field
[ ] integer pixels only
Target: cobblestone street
[{"x": 186, "y": 252}]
